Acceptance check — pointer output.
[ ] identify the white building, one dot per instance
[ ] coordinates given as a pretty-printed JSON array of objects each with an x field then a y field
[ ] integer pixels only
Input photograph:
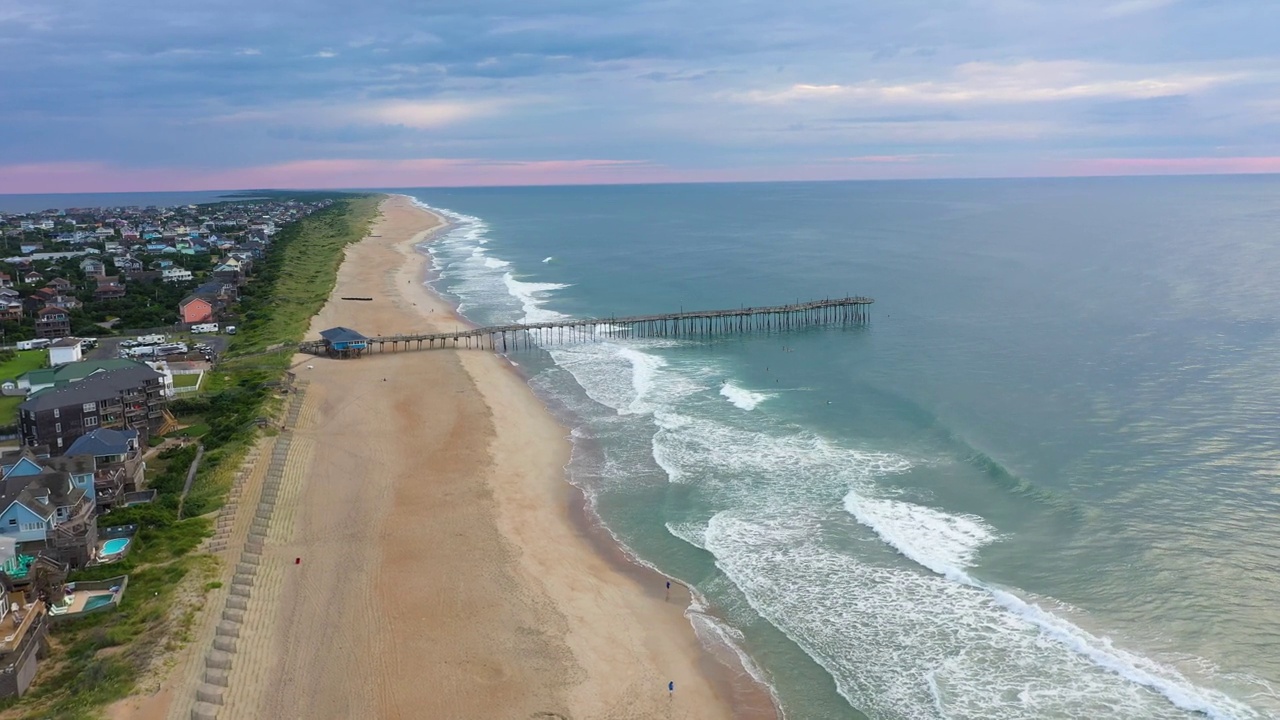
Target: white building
[
  {"x": 65, "y": 350},
  {"x": 175, "y": 274}
]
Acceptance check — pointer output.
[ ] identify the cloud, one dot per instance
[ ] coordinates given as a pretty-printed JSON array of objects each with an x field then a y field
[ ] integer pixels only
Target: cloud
[
  {"x": 1172, "y": 166},
  {"x": 991, "y": 83},
  {"x": 1135, "y": 7},
  {"x": 886, "y": 159},
  {"x": 994, "y": 85},
  {"x": 335, "y": 173},
  {"x": 428, "y": 114}
]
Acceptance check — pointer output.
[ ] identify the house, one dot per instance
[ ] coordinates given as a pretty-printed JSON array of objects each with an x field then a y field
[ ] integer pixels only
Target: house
[
  {"x": 207, "y": 302},
  {"x": 11, "y": 310},
  {"x": 128, "y": 263},
  {"x": 109, "y": 288},
  {"x": 231, "y": 272},
  {"x": 24, "y": 618},
  {"x": 33, "y": 278},
  {"x": 6, "y": 281},
  {"x": 198, "y": 309},
  {"x": 118, "y": 467},
  {"x": 62, "y": 285},
  {"x": 93, "y": 266},
  {"x": 51, "y": 297},
  {"x": 128, "y": 398},
  {"x": 52, "y": 322},
  {"x": 344, "y": 342},
  {"x": 37, "y": 380},
  {"x": 48, "y": 505},
  {"x": 175, "y": 274}
]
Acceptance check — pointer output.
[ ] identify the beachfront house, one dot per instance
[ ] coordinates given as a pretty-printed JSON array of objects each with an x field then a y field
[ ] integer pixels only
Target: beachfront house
[
  {"x": 118, "y": 467},
  {"x": 344, "y": 342},
  {"x": 48, "y": 505}
]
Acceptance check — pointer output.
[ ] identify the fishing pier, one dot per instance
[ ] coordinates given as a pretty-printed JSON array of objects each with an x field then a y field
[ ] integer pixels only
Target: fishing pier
[{"x": 699, "y": 324}]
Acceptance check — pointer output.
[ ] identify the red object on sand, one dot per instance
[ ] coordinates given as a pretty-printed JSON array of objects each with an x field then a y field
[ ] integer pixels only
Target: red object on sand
[{"x": 297, "y": 561}]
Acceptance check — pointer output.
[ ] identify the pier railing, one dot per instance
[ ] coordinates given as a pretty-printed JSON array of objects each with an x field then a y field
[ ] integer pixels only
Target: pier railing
[{"x": 683, "y": 324}]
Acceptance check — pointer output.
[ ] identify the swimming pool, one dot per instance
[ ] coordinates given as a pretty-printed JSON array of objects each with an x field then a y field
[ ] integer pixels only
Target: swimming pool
[
  {"x": 98, "y": 601},
  {"x": 114, "y": 546}
]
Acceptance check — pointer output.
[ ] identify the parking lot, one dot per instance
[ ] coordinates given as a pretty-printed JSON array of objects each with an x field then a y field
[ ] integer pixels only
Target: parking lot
[{"x": 111, "y": 347}]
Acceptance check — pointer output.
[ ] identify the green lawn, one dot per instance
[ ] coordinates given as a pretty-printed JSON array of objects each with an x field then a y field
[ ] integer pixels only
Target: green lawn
[
  {"x": 184, "y": 381},
  {"x": 23, "y": 362}
]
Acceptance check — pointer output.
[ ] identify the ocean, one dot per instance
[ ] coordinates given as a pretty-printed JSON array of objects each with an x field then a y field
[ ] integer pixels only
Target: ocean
[
  {"x": 61, "y": 201},
  {"x": 1041, "y": 482}
]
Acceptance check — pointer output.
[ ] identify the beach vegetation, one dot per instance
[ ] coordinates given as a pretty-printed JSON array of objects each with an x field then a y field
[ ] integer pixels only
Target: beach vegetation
[{"x": 101, "y": 658}]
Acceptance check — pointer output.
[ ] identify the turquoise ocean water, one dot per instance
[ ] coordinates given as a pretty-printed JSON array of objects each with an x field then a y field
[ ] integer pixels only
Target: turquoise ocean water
[{"x": 1041, "y": 483}]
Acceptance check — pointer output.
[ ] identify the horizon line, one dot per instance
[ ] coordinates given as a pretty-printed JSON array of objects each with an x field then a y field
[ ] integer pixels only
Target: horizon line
[{"x": 626, "y": 183}]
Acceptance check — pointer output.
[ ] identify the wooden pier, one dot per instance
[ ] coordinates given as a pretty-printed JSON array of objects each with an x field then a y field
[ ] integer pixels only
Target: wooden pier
[{"x": 700, "y": 324}]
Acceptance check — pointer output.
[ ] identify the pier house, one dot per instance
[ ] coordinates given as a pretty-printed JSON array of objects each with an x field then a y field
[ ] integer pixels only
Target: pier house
[{"x": 344, "y": 342}]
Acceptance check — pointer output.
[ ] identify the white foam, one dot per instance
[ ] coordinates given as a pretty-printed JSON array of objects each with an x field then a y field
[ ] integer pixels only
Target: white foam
[
  {"x": 547, "y": 259},
  {"x": 946, "y": 545},
  {"x": 481, "y": 280},
  {"x": 942, "y": 542},
  {"x": 742, "y": 398},
  {"x": 923, "y": 638}
]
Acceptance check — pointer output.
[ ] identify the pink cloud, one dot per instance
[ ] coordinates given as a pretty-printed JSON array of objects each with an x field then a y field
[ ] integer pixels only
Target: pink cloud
[
  {"x": 1171, "y": 166},
  {"x": 100, "y": 177},
  {"x": 437, "y": 172},
  {"x": 69, "y": 177}
]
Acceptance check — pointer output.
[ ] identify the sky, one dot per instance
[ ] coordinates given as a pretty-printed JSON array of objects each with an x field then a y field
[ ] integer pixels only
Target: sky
[{"x": 136, "y": 95}]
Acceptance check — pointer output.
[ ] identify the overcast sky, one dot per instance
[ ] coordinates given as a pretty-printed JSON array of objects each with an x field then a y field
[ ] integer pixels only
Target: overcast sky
[{"x": 172, "y": 94}]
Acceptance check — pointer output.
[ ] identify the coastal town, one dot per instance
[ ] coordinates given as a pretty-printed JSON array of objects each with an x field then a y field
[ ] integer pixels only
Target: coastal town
[
  {"x": 83, "y": 271},
  {"x": 107, "y": 317}
]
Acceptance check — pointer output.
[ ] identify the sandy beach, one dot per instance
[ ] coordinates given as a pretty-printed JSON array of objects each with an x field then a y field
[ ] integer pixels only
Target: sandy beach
[{"x": 430, "y": 559}]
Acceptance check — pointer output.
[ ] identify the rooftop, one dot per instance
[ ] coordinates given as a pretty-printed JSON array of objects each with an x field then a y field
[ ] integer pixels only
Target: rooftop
[
  {"x": 99, "y": 386},
  {"x": 76, "y": 371},
  {"x": 103, "y": 441},
  {"x": 342, "y": 334}
]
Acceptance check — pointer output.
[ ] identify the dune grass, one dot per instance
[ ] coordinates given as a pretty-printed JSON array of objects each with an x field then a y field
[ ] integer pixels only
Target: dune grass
[{"x": 100, "y": 658}]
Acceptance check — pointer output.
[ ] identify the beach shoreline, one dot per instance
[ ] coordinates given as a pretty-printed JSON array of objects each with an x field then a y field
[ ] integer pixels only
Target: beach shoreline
[
  {"x": 429, "y": 558},
  {"x": 749, "y": 697}
]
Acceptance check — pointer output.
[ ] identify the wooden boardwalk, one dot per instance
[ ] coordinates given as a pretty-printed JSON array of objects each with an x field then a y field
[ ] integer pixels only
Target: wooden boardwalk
[{"x": 698, "y": 324}]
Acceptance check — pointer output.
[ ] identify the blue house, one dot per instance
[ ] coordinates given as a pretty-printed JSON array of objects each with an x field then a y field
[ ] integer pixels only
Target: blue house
[
  {"x": 47, "y": 505},
  {"x": 117, "y": 463},
  {"x": 344, "y": 342}
]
